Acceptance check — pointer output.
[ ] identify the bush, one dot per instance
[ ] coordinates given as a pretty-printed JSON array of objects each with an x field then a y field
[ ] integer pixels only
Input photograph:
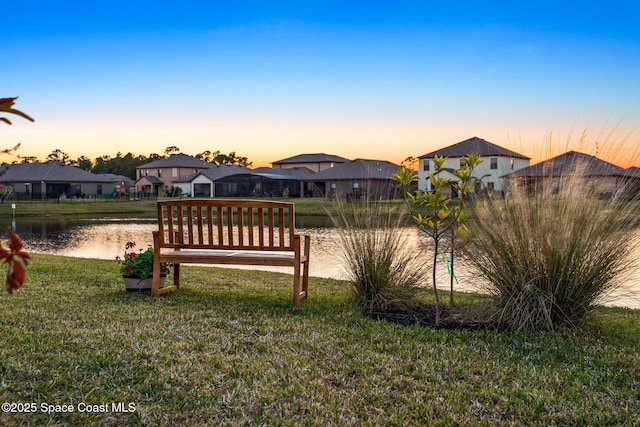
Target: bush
[
  {"x": 550, "y": 258},
  {"x": 381, "y": 263}
]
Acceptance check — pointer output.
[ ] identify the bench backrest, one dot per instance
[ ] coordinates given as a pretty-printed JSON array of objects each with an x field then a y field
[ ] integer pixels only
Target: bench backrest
[{"x": 226, "y": 224}]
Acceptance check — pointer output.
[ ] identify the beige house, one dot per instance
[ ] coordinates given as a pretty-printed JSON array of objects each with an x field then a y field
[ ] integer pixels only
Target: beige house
[
  {"x": 155, "y": 176},
  {"x": 574, "y": 171}
]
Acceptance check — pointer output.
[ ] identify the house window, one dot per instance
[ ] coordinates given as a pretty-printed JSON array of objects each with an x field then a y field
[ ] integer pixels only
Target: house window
[
  {"x": 159, "y": 173},
  {"x": 146, "y": 172},
  {"x": 174, "y": 172},
  {"x": 27, "y": 188},
  {"x": 491, "y": 186},
  {"x": 512, "y": 164},
  {"x": 425, "y": 165},
  {"x": 494, "y": 163},
  {"x": 462, "y": 164}
]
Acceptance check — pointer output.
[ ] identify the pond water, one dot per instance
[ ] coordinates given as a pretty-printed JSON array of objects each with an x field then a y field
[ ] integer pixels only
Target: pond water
[{"x": 105, "y": 238}]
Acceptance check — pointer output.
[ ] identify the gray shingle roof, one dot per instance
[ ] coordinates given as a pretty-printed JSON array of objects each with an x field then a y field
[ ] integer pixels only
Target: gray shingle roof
[
  {"x": 358, "y": 169},
  {"x": 49, "y": 172},
  {"x": 473, "y": 145},
  {"x": 570, "y": 163},
  {"x": 299, "y": 172},
  {"x": 312, "y": 158},
  {"x": 634, "y": 171},
  {"x": 215, "y": 172},
  {"x": 177, "y": 161},
  {"x": 273, "y": 176}
]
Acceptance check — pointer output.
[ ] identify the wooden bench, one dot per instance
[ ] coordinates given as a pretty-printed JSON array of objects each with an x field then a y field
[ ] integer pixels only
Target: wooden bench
[{"x": 240, "y": 232}]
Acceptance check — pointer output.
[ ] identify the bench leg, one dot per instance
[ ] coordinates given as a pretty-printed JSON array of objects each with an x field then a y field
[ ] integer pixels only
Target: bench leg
[
  {"x": 296, "y": 285},
  {"x": 176, "y": 275},
  {"x": 305, "y": 279}
]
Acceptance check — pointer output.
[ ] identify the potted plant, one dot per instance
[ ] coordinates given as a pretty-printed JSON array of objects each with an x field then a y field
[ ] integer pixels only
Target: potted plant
[{"x": 137, "y": 268}]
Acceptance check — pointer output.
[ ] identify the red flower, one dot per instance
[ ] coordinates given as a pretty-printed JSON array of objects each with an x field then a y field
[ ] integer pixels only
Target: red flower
[{"x": 17, "y": 260}]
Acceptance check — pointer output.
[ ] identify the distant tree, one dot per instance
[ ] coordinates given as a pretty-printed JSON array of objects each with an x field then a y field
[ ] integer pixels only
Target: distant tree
[
  {"x": 58, "y": 155},
  {"x": 83, "y": 163},
  {"x": 207, "y": 156},
  {"x": 29, "y": 159},
  {"x": 231, "y": 159},
  {"x": 216, "y": 157},
  {"x": 409, "y": 163},
  {"x": 169, "y": 150}
]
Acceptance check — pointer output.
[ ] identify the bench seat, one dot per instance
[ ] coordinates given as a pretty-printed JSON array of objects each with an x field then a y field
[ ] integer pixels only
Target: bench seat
[{"x": 230, "y": 257}]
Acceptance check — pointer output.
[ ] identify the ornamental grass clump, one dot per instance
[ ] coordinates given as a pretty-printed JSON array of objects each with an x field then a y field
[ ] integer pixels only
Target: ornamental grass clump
[
  {"x": 381, "y": 264},
  {"x": 557, "y": 246}
]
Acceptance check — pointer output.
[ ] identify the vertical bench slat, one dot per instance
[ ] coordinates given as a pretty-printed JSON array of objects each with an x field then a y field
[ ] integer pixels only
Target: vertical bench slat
[
  {"x": 210, "y": 224},
  {"x": 281, "y": 241},
  {"x": 270, "y": 210},
  {"x": 170, "y": 224},
  {"x": 180, "y": 238},
  {"x": 220, "y": 231},
  {"x": 190, "y": 224},
  {"x": 292, "y": 226},
  {"x": 229, "y": 222},
  {"x": 240, "y": 213},
  {"x": 200, "y": 236},
  {"x": 260, "y": 227},
  {"x": 250, "y": 224}
]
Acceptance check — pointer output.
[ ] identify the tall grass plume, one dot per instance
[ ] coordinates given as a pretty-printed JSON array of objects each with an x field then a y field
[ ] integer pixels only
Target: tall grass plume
[
  {"x": 563, "y": 240},
  {"x": 380, "y": 261}
]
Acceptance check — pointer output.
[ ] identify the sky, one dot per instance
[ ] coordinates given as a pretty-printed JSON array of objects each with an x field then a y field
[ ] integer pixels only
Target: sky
[{"x": 359, "y": 79}]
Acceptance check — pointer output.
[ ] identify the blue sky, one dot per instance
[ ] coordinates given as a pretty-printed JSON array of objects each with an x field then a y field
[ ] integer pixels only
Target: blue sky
[{"x": 269, "y": 80}]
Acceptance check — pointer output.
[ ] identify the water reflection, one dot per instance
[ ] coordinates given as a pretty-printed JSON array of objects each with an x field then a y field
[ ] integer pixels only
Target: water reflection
[{"x": 105, "y": 238}]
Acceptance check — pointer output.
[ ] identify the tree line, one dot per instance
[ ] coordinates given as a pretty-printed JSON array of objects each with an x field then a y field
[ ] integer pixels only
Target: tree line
[{"x": 126, "y": 164}]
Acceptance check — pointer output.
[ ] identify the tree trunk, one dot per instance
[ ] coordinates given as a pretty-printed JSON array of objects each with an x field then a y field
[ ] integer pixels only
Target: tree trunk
[
  {"x": 451, "y": 275},
  {"x": 435, "y": 288}
]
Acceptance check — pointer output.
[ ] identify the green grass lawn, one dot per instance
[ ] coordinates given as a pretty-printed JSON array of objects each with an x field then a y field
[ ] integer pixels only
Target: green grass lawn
[
  {"x": 308, "y": 206},
  {"x": 227, "y": 349}
]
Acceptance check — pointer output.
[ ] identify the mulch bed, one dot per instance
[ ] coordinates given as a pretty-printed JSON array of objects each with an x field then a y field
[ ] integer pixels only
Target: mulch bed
[{"x": 425, "y": 315}]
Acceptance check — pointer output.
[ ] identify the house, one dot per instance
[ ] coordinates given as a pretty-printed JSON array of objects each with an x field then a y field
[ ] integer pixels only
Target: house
[
  {"x": 240, "y": 181},
  {"x": 154, "y": 176},
  {"x": 52, "y": 180},
  {"x": 121, "y": 184},
  {"x": 356, "y": 180},
  {"x": 497, "y": 161},
  {"x": 303, "y": 174},
  {"x": 202, "y": 184},
  {"x": 574, "y": 171},
  {"x": 314, "y": 162}
]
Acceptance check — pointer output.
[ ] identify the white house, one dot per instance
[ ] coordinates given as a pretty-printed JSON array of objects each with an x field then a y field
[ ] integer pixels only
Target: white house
[{"x": 497, "y": 162}]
